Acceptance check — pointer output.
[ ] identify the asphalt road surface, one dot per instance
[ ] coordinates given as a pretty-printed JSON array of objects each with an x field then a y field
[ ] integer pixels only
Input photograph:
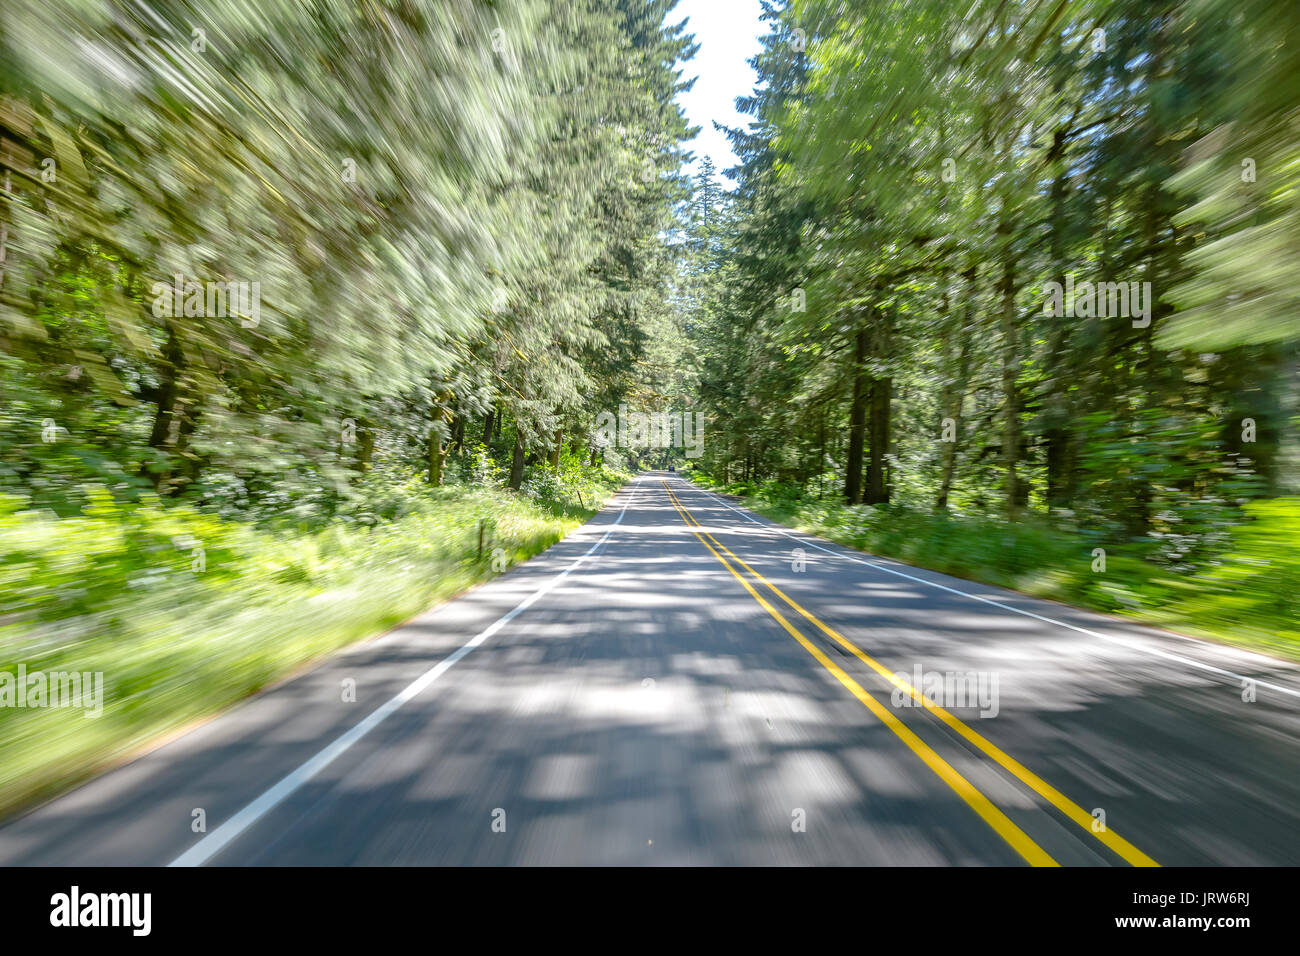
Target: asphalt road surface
[{"x": 682, "y": 682}]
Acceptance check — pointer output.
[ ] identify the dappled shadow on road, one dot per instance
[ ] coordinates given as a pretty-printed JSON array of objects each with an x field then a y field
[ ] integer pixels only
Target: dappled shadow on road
[
  {"x": 1174, "y": 755},
  {"x": 647, "y": 710}
]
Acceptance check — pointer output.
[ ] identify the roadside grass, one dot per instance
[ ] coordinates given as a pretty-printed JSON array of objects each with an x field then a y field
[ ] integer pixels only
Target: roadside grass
[
  {"x": 1249, "y": 595},
  {"x": 180, "y": 634}
]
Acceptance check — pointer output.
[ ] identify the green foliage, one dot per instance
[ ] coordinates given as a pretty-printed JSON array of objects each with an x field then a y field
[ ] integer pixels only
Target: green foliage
[
  {"x": 443, "y": 206},
  {"x": 572, "y": 484},
  {"x": 1244, "y": 178},
  {"x": 105, "y": 591},
  {"x": 872, "y": 327}
]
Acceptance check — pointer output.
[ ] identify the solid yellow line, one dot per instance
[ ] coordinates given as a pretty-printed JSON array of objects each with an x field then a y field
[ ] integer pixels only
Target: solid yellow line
[
  {"x": 981, "y": 804},
  {"x": 1127, "y": 851}
]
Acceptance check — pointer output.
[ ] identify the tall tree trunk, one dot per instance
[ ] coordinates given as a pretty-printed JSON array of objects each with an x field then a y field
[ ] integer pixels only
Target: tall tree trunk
[
  {"x": 184, "y": 422},
  {"x": 458, "y": 433},
  {"x": 488, "y": 420},
  {"x": 169, "y": 372},
  {"x": 365, "y": 443},
  {"x": 517, "y": 460},
  {"x": 437, "y": 448},
  {"x": 1010, "y": 391},
  {"x": 435, "y": 457},
  {"x": 1060, "y": 453},
  {"x": 821, "y": 455},
  {"x": 1058, "y": 412},
  {"x": 559, "y": 447},
  {"x": 857, "y": 419},
  {"x": 880, "y": 399},
  {"x": 957, "y": 396}
]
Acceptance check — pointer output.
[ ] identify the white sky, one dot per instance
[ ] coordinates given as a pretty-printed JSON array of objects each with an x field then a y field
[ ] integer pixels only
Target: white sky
[{"x": 727, "y": 32}]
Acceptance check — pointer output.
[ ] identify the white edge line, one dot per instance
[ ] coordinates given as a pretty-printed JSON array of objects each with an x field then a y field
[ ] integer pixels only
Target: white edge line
[
  {"x": 222, "y": 836},
  {"x": 1007, "y": 607}
]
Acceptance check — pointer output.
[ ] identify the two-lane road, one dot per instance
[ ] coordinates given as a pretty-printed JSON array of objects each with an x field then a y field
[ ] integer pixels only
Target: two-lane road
[{"x": 682, "y": 682}]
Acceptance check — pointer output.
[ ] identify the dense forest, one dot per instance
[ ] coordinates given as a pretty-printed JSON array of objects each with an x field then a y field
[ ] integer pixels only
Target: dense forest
[
  {"x": 452, "y": 243},
  {"x": 911, "y": 186},
  {"x": 1016, "y": 287},
  {"x": 310, "y": 313}
]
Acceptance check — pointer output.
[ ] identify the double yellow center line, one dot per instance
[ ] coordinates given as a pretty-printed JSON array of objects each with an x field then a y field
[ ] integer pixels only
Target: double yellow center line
[{"x": 995, "y": 818}]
